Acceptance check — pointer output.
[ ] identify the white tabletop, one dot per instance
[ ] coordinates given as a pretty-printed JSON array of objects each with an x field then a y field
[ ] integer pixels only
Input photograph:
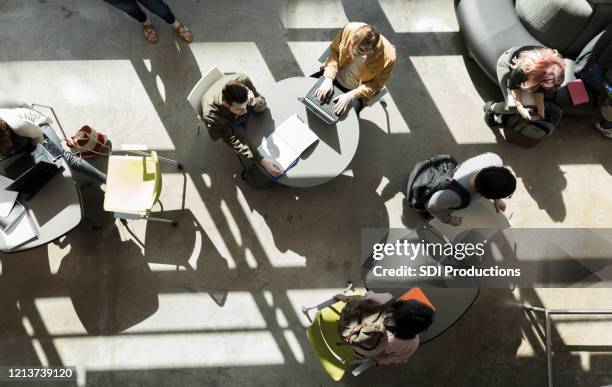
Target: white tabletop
[{"x": 337, "y": 143}]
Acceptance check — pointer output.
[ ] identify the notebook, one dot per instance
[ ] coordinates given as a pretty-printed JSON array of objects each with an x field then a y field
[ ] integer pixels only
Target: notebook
[
  {"x": 289, "y": 140},
  {"x": 324, "y": 109},
  {"x": 7, "y": 222},
  {"x": 577, "y": 92},
  {"x": 21, "y": 232}
]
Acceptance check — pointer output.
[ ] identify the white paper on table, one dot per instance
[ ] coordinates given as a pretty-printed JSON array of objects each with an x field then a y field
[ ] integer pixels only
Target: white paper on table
[
  {"x": 288, "y": 142},
  {"x": 277, "y": 150},
  {"x": 5, "y": 182},
  {"x": 7, "y": 201},
  {"x": 21, "y": 232}
]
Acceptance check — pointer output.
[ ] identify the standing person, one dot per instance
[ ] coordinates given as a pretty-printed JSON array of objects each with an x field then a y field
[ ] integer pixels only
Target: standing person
[
  {"x": 591, "y": 65},
  {"x": 21, "y": 129},
  {"x": 158, "y": 7},
  {"x": 529, "y": 68},
  {"x": 225, "y": 109},
  {"x": 360, "y": 62},
  {"x": 483, "y": 175}
]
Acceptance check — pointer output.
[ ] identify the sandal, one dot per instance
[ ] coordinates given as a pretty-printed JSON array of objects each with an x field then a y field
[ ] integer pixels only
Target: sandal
[
  {"x": 184, "y": 33},
  {"x": 149, "y": 32}
]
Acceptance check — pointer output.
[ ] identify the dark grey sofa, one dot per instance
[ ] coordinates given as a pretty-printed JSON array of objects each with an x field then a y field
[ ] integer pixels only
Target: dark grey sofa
[{"x": 489, "y": 27}]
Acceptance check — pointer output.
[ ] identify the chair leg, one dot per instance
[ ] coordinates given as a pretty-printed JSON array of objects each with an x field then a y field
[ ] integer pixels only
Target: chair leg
[{"x": 162, "y": 220}]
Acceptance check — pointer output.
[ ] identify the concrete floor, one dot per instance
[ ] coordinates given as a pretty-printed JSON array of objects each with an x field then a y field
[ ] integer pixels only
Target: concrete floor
[{"x": 216, "y": 301}]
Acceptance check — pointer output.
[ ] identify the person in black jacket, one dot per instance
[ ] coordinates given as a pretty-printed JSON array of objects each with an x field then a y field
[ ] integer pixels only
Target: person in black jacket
[{"x": 591, "y": 65}]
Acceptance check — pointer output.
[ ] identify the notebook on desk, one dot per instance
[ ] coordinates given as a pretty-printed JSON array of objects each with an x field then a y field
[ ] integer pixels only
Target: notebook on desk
[
  {"x": 289, "y": 140},
  {"x": 322, "y": 109}
]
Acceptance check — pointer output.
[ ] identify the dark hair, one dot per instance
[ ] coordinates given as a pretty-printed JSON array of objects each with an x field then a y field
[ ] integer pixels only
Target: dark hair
[
  {"x": 408, "y": 318},
  {"x": 495, "y": 182},
  {"x": 5, "y": 135},
  {"x": 367, "y": 37},
  {"x": 234, "y": 91}
]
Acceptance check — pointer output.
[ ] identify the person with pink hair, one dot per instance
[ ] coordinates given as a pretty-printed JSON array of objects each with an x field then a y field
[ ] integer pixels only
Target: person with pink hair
[{"x": 530, "y": 69}]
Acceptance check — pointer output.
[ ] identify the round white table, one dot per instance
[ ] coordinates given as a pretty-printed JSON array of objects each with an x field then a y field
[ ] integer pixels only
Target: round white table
[{"x": 325, "y": 159}]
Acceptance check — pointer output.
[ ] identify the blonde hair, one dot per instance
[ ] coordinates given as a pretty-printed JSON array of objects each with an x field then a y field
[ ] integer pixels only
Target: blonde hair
[{"x": 542, "y": 67}]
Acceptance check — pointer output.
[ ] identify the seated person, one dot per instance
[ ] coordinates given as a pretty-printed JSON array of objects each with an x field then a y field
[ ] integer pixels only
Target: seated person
[
  {"x": 483, "y": 175},
  {"x": 402, "y": 322},
  {"x": 360, "y": 62},
  {"x": 591, "y": 65},
  {"x": 21, "y": 129},
  {"x": 529, "y": 68},
  {"x": 225, "y": 107}
]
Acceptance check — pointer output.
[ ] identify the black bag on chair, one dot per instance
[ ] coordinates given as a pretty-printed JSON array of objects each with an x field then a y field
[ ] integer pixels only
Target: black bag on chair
[{"x": 529, "y": 133}]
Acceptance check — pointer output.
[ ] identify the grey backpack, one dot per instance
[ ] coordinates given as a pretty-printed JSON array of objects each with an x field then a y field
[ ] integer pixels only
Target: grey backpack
[{"x": 433, "y": 175}]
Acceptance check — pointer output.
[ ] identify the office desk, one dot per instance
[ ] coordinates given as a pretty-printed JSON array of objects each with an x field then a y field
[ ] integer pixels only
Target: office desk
[
  {"x": 324, "y": 160},
  {"x": 54, "y": 211}
]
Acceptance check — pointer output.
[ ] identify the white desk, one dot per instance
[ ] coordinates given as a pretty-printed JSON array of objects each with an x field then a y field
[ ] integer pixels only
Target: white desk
[
  {"x": 337, "y": 143},
  {"x": 54, "y": 211}
]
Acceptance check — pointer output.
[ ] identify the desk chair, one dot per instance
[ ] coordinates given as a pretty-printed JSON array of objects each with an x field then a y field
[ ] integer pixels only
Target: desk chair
[
  {"x": 378, "y": 97},
  {"x": 133, "y": 186},
  {"x": 323, "y": 335},
  {"x": 547, "y": 334},
  {"x": 195, "y": 96}
]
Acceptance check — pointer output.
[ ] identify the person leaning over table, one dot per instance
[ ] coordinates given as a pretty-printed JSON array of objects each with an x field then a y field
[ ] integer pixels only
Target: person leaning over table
[
  {"x": 360, "y": 63},
  {"x": 22, "y": 129},
  {"x": 225, "y": 111}
]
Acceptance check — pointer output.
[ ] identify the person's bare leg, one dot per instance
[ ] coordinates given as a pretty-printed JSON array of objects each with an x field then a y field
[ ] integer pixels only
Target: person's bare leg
[
  {"x": 149, "y": 32},
  {"x": 183, "y": 31}
]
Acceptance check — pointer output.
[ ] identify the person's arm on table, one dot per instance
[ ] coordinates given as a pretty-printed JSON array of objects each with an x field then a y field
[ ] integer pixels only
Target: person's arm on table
[
  {"x": 219, "y": 127},
  {"x": 330, "y": 68}
]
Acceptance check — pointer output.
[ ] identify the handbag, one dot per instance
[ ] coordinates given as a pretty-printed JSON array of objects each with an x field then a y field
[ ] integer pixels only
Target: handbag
[{"x": 88, "y": 142}]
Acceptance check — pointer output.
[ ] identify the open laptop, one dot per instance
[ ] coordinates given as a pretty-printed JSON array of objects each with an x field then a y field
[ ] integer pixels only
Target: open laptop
[
  {"x": 324, "y": 109},
  {"x": 31, "y": 171}
]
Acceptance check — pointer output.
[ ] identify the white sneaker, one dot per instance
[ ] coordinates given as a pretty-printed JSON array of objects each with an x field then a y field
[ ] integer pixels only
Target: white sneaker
[{"x": 602, "y": 130}]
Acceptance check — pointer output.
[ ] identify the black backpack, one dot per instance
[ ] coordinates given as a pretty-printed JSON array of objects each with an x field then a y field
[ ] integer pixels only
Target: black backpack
[
  {"x": 529, "y": 133},
  {"x": 431, "y": 176}
]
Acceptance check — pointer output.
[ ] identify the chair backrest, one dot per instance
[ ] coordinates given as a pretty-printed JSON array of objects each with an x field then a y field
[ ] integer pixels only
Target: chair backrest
[
  {"x": 195, "y": 96},
  {"x": 325, "y": 55},
  {"x": 418, "y": 295},
  {"x": 158, "y": 179}
]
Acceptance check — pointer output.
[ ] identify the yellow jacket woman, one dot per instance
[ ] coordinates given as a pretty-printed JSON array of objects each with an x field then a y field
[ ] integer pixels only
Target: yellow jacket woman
[{"x": 361, "y": 60}]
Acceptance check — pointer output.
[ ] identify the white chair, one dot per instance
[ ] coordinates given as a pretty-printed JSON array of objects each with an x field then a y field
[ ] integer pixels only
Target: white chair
[
  {"x": 195, "y": 96},
  {"x": 378, "y": 97}
]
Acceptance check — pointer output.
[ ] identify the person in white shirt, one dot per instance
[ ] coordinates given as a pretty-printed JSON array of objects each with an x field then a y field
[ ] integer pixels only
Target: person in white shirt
[
  {"x": 482, "y": 176},
  {"x": 21, "y": 129}
]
